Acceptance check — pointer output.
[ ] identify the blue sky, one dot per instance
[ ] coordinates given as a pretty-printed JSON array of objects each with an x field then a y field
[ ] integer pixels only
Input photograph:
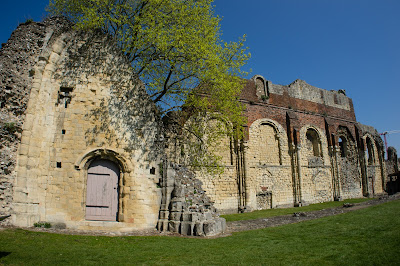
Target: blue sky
[{"x": 331, "y": 44}]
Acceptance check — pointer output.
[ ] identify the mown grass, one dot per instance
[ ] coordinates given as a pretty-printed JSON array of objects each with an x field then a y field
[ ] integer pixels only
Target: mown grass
[
  {"x": 369, "y": 236},
  {"x": 284, "y": 211}
]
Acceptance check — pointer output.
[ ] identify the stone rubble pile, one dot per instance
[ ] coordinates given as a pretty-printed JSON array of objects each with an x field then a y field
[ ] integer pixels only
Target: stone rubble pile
[{"x": 190, "y": 210}]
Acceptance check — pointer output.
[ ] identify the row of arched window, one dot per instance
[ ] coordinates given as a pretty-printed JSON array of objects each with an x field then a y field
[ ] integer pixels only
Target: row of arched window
[{"x": 271, "y": 151}]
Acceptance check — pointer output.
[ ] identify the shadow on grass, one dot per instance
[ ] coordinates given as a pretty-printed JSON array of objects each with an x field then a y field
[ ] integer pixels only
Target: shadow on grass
[{"x": 4, "y": 254}]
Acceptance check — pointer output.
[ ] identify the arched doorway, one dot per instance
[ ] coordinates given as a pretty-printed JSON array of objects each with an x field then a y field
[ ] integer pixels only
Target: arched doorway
[{"x": 102, "y": 191}]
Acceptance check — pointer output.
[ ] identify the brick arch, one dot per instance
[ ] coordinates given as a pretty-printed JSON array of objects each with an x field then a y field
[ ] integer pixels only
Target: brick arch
[
  {"x": 344, "y": 130},
  {"x": 319, "y": 131},
  {"x": 278, "y": 128},
  {"x": 343, "y": 145},
  {"x": 313, "y": 137}
]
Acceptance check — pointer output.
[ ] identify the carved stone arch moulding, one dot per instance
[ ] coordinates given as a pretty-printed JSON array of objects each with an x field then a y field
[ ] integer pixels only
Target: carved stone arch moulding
[
  {"x": 369, "y": 136},
  {"x": 218, "y": 117},
  {"x": 305, "y": 128},
  {"x": 258, "y": 77},
  {"x": 103, "y": 153},
  {"x": 320, "y": 146},
  {"x": 265, "y": 121}
]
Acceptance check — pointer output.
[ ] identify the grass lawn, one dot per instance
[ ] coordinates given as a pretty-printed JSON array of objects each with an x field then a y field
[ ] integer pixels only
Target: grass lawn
[
  {"x": 368, "y": 236},
  {"x": 284, "y": 211}
]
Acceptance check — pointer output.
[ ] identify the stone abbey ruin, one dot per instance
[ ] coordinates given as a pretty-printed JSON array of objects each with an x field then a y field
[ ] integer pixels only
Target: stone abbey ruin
[{"x": 83, "y": 147}]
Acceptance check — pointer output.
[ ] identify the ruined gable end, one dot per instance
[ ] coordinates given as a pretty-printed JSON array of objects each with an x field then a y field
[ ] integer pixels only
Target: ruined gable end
[{"x": 87, "y": 127}]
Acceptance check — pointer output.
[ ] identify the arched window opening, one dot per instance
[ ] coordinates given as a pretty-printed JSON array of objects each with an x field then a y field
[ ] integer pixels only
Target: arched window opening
[
  {"x": 102, "y": 191},
  {"x": 343, "y": 146},
  {"x": 261, "y": 87},
  {"x": 260, "y": 84},
  {"x": 370, "y": 151},
  {"x": 313, "y": 142}
]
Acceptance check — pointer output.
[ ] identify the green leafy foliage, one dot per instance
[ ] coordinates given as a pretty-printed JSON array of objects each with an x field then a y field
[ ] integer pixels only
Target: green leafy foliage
[
  {"x": 173, "y": 45},
  {"x": 205, "y": 138},
  {"x": 42, "y": 225},
  {"x": 176, "y": 49},
  {"x": 10, "y": 127}
]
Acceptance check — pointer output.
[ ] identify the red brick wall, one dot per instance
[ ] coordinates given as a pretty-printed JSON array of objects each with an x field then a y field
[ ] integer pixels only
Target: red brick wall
[{"x": 307, "y": 112}]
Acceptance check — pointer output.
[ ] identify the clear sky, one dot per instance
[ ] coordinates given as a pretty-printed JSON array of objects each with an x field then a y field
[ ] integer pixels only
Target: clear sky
[{"x": 331, "y": 44}]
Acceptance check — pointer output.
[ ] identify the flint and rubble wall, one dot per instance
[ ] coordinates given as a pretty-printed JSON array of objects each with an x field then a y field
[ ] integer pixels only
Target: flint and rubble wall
[{"x": 17, "y": 58}]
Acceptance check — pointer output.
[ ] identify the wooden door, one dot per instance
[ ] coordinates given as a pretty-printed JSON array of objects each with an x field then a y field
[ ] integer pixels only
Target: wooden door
[{"x": 102, "y": 191}]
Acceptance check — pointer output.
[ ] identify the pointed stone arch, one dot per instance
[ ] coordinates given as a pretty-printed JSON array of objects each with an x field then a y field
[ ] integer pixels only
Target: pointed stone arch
[
  {"x": 373, "y": 179},
  {"x": 370, "y": 149}
]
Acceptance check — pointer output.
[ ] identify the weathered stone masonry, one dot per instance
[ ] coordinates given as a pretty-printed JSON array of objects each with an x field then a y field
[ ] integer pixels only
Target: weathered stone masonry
[
  {"x": 79, "y": 111},
  {"x": 17, "y": 58},
  {"x": 303, "y": 145},
  {"x": 90, "y": 140}
]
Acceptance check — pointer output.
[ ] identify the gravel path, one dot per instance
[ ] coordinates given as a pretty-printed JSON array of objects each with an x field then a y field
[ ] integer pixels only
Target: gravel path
[{"x": 238, "y": 226}]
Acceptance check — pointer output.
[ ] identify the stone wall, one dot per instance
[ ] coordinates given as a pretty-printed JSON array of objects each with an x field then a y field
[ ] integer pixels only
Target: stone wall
[
  {"x": 392, "y": 169},
  {"x": 392, "y": 164},
  {"x": 373, "y": 161},
  {"x": 316, "y": 181},
  {"x": 84, "y": 105},
  {"x": 268, "y": 166},
  {"x": 302, "y": 145},
  {"x": 348, "y": 165},
  {"x": 17, "y": 59},
  {"x": 221, "y": 188}
]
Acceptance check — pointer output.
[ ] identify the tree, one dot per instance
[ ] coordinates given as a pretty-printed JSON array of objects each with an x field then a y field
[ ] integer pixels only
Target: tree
[{"x": 174, "y": 46}]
